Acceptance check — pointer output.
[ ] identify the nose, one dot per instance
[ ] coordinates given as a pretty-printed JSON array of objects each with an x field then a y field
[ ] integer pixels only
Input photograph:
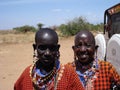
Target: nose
[
  {"x": 47, "y": 52},
  {"x": 83, "y": 49}
]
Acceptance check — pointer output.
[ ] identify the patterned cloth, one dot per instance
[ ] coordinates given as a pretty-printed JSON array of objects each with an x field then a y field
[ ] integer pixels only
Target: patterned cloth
[
  {"x": 67, "y": 80},
  {"x": 107, "y": 75},
  {"x": 103, "y": 78}
]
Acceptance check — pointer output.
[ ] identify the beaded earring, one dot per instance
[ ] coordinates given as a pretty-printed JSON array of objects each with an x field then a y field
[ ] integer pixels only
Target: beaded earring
[
  {"x": 58, "y": 55},
  {"x": 75, "y": 57},
  {"x": 96, "y": 48},
  {"x": 96, "y": 58},
  {"x": 35, "y": 58},
  {"x": 34, "y": 54}
]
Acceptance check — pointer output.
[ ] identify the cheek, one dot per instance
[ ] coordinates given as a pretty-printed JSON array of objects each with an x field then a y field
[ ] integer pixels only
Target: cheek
[
  {"x": 39, "y": 52},
  {"x": 54, "y": 53},
  {"x": 76, "y": 51},
  {"x": 91, "y": 51}
]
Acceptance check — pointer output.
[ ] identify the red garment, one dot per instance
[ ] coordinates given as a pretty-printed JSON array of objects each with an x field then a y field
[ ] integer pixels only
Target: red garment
[
  {"x": 105, "y": 76},
  {"x": 68, "y": 81}
]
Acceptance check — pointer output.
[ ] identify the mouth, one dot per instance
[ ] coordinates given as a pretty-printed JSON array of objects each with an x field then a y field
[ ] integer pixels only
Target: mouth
[
  {"x": 84, "y": 56},
  {"x": 46, "y": 60}
]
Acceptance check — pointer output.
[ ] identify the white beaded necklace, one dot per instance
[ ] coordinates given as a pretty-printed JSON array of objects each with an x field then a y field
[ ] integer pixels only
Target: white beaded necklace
[{"x": 51, "y": 78}]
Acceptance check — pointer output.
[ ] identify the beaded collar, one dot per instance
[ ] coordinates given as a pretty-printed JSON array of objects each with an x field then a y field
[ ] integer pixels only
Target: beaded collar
[
  {"x": 89, "y": 75},
  {"x": 47, "y": 81}
]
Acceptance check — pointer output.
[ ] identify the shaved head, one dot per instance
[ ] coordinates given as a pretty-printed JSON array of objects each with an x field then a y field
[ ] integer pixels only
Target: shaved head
[
  {"x": 84, "y": 33},
  {"x": 46, "y": 35}
]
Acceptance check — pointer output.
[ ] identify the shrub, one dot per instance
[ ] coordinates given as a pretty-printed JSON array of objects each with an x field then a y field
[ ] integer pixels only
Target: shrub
[{"x": 25, "y": 29}]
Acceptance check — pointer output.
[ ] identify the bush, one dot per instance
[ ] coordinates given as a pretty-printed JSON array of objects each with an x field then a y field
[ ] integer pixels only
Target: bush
[
  {"x": 74, "y": 26},
  {"x": 77, "y": 24},
  {"x": 25, "y": 29}
]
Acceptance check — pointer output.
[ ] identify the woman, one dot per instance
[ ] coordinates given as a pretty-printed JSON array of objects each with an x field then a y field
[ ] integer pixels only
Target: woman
[
  {"x": 93, "y": 73},
  {"x": 47, "y": 73}
]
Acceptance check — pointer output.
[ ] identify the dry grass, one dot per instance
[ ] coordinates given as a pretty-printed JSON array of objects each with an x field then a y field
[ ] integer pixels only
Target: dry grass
[
  {"x": 16, "y": 38},
  {"x": 10, "y": 36}
]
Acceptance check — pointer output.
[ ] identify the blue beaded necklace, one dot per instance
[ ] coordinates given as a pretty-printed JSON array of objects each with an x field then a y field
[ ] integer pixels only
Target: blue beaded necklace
[{"x": 88, "y": 74}]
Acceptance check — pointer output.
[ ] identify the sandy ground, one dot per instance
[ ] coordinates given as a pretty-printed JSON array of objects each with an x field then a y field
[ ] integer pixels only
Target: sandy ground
[{"x": 15, "y": 57}]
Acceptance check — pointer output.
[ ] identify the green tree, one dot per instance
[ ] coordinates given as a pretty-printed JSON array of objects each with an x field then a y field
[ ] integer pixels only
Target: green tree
[
  {"x": 74, "y": 26},
  {"x": 25, "y": 29},
  {"x": 40, "y": 25},
  {"x": 77, "y": 24}
]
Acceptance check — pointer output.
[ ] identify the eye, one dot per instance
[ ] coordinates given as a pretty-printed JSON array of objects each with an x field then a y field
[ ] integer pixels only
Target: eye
[
  {"x": 50, "y": 47},
  {"x": 53, "y": 48},
  {"x": 88, "y": 45},
  {"x": 42, "y": 47},
  {"x": 77, "y": 46}
]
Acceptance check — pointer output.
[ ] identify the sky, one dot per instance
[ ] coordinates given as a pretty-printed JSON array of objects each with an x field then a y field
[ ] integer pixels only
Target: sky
[{"x": 16, "y": 13}]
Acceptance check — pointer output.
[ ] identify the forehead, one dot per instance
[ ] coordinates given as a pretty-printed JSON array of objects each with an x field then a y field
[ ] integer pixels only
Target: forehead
[
  {"x": 46, "y": 39},
  {"x": 84, "y": 37}
]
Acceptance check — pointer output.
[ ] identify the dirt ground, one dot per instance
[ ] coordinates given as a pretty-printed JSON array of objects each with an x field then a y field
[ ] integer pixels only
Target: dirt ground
[{"x": 15, "y": 57}]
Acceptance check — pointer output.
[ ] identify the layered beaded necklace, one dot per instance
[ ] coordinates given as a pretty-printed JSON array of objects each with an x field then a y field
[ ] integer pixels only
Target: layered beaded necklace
[
  {"x": 89, "y": 75},
  {"x": 44, "y": 82}
]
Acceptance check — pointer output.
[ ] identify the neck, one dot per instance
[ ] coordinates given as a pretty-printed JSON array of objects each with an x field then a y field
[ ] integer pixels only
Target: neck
[{"x": 83, "y": 67}]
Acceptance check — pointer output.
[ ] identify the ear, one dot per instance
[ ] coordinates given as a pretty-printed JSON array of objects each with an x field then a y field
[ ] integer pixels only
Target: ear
[
  {"x": 73, "y": 47},
  {"x": 96, "y": 47},
  {"x": 34, "y": 47},
  {"x": 75, "y": 57},
  {"x": 58, "y": 46}
]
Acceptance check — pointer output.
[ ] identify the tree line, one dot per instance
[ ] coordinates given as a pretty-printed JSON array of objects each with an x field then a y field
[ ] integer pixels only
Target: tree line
[{"x": 68, "y": 29}]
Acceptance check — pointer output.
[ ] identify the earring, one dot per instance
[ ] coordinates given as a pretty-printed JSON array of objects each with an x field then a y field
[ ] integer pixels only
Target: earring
[
  {"x": 34, "y": 54},
  {"x": 96, "y": 54},
  {"x": 75, "y": 57},
  {"x": 96, "y": 49},
  {"x": 58, "y": 55},
  {"x": 35, "y": 59}
]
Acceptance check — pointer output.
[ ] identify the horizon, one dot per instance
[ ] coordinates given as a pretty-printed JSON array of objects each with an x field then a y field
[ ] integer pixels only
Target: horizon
[{"x": 16, "y": 13}]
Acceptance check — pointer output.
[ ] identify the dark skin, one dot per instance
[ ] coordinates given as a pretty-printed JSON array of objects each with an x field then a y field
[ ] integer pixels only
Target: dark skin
[
  {"x": 47, "y": 49},
  {"x": 84, "y": 48}
]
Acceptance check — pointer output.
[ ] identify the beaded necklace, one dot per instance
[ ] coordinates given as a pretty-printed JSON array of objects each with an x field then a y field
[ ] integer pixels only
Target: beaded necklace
[
  {"x": 89, "y": 75},
  {"x": 49, "y": 81}
]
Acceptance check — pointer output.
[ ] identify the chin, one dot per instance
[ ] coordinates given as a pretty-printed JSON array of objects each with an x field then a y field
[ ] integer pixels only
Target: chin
[
  {"x": 84, "y": 61},
  {"x": 48, "y": 63}
]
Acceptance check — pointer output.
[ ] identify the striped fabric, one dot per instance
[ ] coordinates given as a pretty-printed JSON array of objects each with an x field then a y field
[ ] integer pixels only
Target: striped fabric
[{"x": 68, "y": 80}]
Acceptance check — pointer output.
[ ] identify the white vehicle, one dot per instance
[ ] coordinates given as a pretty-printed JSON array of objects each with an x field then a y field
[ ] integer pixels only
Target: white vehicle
[{"x": 109, "y": 41}]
